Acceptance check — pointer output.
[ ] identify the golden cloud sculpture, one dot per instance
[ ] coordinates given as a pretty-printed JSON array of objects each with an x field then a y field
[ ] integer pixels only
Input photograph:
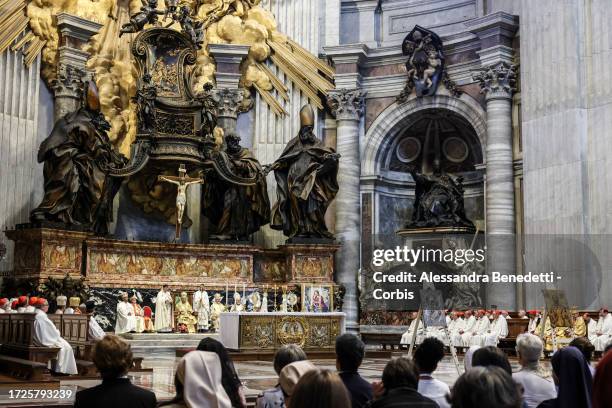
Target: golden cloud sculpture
[{"x": 242, "y": 22}]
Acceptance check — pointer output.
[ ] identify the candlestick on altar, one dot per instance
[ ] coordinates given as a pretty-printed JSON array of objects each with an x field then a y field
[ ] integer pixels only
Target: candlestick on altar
[
  {"x": 243, "y": 291},
  {"x": 275, "y": 298},
  {"x": 226, "y": 292}
]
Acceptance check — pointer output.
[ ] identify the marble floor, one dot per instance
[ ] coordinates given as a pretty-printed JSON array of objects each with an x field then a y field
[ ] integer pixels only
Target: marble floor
[{"x": 256, "y": 375}]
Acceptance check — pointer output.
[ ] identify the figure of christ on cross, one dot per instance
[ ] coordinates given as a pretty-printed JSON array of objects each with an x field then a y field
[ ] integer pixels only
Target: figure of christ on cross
[{"x": 182, "y": 182}]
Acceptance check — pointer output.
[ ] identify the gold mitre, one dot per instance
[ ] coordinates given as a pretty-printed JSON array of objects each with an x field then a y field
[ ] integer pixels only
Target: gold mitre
[
  {"x": 306, "y": 116},
  {"x": 74, "y": 301}
]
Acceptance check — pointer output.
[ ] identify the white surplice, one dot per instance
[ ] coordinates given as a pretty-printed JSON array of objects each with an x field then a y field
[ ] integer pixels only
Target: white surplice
[
  {"x": 603, "y": 332},
  {"x": 163, "y": 311},
  {"x": 125, "y": 322},
  {"x": 46, "y": 334},
  {"x": 407, "y": 336},
  {"x": 468, "y": 329},
  {"x": 533, "y": 323},
  {"x": 498, "y": 330},
  {"x": 480, "y": 328},
  {"x": 592, "y": 330},
  {"x": 201, "y": 305},
  {"x": 453, "y": 331},
  {"x": 95, "y": 332}
]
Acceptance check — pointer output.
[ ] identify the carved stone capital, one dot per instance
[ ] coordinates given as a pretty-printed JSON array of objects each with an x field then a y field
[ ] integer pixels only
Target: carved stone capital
[
  {"x": 231, "y": 102},
  {"x": 69, "y": 81},
  {"x": 497, "y": 81},
  {"x": 346, "y": 104}
]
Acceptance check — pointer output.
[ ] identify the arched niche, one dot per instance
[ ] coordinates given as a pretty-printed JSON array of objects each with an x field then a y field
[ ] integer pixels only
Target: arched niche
[{"x": 396, "y": 140}]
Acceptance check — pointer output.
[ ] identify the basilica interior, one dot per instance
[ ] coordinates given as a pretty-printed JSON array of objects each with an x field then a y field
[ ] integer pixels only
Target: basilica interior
[{"x": 172, "y": 171}]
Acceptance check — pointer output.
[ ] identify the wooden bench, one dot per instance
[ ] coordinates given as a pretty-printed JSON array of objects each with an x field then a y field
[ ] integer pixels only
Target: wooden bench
[
  {"x": 18, "y": 339},
  {"x": 74, "y": 328},
  {"x": 24, "y": 369}
]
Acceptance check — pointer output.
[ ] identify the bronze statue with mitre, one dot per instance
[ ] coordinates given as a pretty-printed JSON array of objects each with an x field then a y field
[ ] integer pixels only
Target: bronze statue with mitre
[
  {"x": 306, "y": 177},
  {"x": 77, "y": 155}
]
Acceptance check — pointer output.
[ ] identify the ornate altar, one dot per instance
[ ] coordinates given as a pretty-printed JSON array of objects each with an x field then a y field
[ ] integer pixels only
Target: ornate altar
[{"x": 269, "y": 331}]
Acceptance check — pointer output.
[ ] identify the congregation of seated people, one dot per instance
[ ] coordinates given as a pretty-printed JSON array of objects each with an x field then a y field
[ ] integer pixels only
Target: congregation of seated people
[{"x": 206, "y": 377}]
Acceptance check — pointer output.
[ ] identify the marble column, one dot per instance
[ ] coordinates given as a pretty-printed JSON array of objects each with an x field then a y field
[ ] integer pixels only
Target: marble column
[
  {"x": 347, "y": 105},
  {"x": 75, "y": 32},
  {"x": 498, "y": 82},
  {"x": 231, "y": 98}
]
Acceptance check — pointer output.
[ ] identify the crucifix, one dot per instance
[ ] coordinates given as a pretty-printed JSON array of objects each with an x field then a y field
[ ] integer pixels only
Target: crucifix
[{"x": 182, "y": 181}]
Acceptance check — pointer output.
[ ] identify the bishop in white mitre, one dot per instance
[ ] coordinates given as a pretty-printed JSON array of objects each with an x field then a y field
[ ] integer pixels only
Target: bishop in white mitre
[
  {"x": 125, "y": 321},
  {"x": 201, "y": 305},
  {"x": 163, "y": 311},
  {"x": 47, "y": 335},
  {"x": 497, "y": 330},
  {"x": 603, "y": 330}
]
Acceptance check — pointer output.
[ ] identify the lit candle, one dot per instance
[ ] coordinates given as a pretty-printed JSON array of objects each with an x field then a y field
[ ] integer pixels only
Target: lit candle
[{"x": 226, "y": 292}]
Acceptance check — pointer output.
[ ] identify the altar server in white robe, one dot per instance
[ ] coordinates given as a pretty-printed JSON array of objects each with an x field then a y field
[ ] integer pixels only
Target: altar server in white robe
[
  {"x": 47, "y": 335},
  {"x": 454, "y": 327},
  {"x": 497, "y": 330},
  {"x": 477, "y": 337},
  {"x": 201, "y": 305},
  {"x": 407, "y": 336},
  {"x": 603, "y": 330},
  {"x": 125, "y": 321},
  {"x": 163, "y": 311},
  {"x": 468, "y": 327},
  {"x": 591, "y": 326}
]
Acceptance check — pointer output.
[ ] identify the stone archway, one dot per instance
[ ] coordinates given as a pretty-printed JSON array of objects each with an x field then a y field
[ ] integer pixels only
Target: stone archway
[{"x": 398, "y": 116}]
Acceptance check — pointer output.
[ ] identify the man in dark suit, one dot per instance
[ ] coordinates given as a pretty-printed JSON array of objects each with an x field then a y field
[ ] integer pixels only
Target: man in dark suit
[
  {"x": 113, "y": 358},
  {"x": 349, "y": 355}
]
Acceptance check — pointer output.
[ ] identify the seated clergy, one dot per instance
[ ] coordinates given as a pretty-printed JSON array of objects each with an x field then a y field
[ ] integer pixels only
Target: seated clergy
[
  {"x": 591, "y": 325},
  {"x": 456, "y": 324},
  {"x": 546, "y": 334},
  {"x": 564, "y": 335},
  {"x": 407, "y": 336},
  {"x": 534, "y": 320},
  {"x": 46, "y": 334},
  {"x": 477, "y": 336},
  {"x": 497, "y": 330},
  {"x": 61, "y": 302},
  {"x": 3, "y": 303},
  {"x": 603, "y": 331},
  {"x": 139, "y": 323},
  {"x": 185, "y": 316},
  {"x": 22, "y": 302},
  {"x": 30, "y": 308},
  {"x": 73, "y": 305},
  {"x": 125, "y": 321},
  {"x": 95, "y": 332},
  {"x": 464, "y": 333}
]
